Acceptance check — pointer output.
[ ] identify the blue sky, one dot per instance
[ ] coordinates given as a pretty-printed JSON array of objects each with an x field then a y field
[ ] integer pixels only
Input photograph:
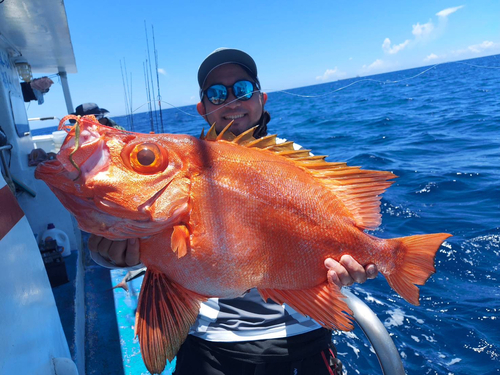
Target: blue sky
[{"x": 295, "y": 43}]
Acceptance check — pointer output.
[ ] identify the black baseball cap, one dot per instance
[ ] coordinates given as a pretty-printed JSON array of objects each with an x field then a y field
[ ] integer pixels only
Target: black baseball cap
[
  {"x": 223, "y": 56},
  {"x": 89, "y": 109}
]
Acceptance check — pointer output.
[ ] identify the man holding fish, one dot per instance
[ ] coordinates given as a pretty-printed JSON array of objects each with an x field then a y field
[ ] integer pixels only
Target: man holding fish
[{"x": 244, "y": 335}]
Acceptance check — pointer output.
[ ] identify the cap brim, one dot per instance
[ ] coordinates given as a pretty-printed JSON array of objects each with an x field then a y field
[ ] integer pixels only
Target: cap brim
[{"x": 224, "y": 56}]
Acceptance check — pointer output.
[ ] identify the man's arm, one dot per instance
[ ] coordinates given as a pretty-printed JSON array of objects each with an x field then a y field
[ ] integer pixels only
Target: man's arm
[{"x": 127, "y": 254}]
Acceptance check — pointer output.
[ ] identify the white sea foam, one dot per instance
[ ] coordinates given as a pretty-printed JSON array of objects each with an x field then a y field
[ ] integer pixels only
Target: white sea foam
[
  {"x": 354, "y": 349},
  {"x": 370, "y": 298},
  {"x": 397, "y": 317},
  {"x": 429, "y": 338},
  {"x": 453, "y": 361}
]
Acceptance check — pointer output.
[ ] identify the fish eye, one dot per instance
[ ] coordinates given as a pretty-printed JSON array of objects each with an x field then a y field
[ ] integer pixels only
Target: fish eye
[{"x": 148, "y": 158}]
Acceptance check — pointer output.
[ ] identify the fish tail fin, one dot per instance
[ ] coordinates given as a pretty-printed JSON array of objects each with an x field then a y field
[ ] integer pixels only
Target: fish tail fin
[
  {"x": 324, "y": 303},
  {"x": 165, "y": 312},
  {"x": 417, "y": 264}
]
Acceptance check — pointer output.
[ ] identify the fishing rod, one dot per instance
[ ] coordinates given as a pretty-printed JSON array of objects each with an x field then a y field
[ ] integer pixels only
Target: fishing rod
[
  {"x": 128, "y": 94},
  {"x": 148, "y": 95},
  {"x": 125, "y": 95},
  {"x": 157, "y": 78},
  {"x": 150, "y": 75},
  {"x": 131, "y": 115}
]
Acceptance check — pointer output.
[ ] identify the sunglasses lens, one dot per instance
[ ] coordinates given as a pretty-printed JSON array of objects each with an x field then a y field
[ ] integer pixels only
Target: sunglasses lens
[
  {"x": 243, "y": 90},
  {"x": 217, "y": 94}
]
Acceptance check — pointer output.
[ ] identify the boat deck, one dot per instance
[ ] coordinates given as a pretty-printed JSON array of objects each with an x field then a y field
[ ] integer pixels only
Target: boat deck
[{"x": 110, "y": 346}]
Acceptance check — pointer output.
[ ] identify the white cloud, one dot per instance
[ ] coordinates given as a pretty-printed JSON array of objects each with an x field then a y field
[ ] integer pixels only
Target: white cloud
[
  {"x": 422, "y": 31},
  {"x": 432, "y": 56},
  {"x": 446, "y": 12},
  {"x": 379, "y": 66},
  {"x": 162, "y": 71},
  {"x": 331, "y": 74},
  {"x": 374, "y": 66},
  {"x": 386, "y": 46},
  {"x": 475, "y": 49},
  {"x": 478, "y": 48}
]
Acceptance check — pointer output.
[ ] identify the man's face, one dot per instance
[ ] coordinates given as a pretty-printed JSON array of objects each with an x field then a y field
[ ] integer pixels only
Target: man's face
[{"x": 244, "y": 113}]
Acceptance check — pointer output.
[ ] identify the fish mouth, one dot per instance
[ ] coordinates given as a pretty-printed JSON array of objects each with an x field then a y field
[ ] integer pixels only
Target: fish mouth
[
  {"x": 93, "y": 219},
  {"x": 48, "y": 168},
  {"x": 99, "y": 215},
  {"x": 55, "y": 175}
]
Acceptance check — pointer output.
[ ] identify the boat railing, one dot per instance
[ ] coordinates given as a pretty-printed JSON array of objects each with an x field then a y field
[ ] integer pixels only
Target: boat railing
[
  {"x": 45, "y": 141},
  {"x": 387, "y": 354},
  {"x": 4, "y": 162}
]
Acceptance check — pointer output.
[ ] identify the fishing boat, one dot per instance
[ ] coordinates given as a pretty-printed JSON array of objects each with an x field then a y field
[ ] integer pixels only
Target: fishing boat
[{"x": 57, "y": 315}]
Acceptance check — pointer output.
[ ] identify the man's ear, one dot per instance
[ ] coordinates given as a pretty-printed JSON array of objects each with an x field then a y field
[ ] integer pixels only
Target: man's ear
[
  {"x": 264, "y": 98},
  {"x": 200, "y": 107}
]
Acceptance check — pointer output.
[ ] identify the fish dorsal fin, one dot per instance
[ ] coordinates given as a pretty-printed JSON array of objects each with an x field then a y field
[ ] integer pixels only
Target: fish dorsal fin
[
  {"x": 246, "y": 137},
  {"x": 358, "y": 189},
  {"x": 211, "y": 134},
  {"x": 225, "y": 134}
]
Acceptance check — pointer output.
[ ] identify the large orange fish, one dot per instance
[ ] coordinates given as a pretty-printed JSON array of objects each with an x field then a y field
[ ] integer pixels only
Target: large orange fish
[{"x": 223, "y": 214}]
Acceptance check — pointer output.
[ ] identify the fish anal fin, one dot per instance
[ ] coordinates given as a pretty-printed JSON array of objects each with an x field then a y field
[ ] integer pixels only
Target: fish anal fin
[
  {"x": 416, "y": 264},
  {"x": 180, "y": 240},
  {"x": 165, "y": 312},
  {"x": 324, "y": 303}
]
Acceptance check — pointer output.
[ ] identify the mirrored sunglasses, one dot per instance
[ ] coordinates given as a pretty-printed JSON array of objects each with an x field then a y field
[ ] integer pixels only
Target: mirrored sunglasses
[{"x": 242, "y": 90}]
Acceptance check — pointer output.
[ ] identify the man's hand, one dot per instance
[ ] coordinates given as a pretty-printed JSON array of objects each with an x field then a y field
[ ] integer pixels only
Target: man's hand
[
  {"x": 123, "y": 253},
  {"x": 348, "y": 271}
]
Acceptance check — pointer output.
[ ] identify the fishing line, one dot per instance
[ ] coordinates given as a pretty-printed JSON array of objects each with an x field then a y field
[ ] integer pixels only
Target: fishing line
[
  {"x": 386, "y": 82},
  {"x": 359, "y": 81},
  {"x": 478, "y": 66}
]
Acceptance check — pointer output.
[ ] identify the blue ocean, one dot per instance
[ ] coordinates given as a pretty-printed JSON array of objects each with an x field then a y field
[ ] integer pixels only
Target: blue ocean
[{"x": 438, "y": 129}]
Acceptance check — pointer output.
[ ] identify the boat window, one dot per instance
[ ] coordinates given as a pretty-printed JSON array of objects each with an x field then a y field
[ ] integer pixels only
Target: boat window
[{"x": 19, "y": 115}]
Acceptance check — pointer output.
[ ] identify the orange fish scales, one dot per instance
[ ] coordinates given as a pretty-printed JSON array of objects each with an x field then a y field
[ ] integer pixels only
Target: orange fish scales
[{"x": 223, "y": 214}]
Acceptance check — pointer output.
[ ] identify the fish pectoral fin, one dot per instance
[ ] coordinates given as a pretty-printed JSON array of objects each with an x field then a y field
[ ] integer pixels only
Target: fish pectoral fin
[
  {"x": 165, "y": 313},
  {"x": 180, "y": 240},
  {"x": 324, "y": 303}
]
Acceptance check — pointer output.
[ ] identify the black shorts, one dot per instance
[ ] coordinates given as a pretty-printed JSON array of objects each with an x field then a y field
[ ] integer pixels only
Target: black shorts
[{"x": 312, "y": 353}]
